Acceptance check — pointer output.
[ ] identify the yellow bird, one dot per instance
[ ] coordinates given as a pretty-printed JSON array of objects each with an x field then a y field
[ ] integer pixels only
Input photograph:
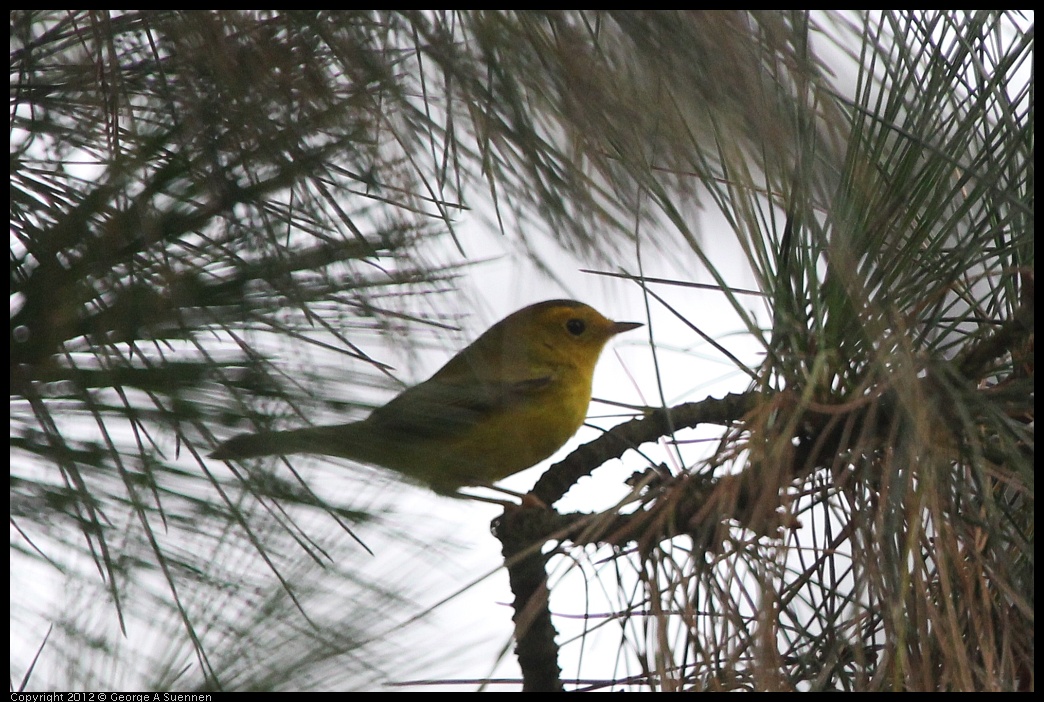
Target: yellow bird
[{"x": 503, "y": 404}]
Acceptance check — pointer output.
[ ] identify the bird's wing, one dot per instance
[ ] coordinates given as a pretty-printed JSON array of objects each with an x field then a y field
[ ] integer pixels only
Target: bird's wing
[{"x": 438, "y": 408}]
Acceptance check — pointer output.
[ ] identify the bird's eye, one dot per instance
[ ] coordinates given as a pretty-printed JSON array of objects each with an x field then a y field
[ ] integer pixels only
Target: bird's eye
[{"x": 575, "y": 327}]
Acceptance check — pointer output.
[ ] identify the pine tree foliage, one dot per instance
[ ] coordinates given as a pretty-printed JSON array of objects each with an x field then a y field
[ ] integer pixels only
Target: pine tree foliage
[{"x": 215, "y": 214}]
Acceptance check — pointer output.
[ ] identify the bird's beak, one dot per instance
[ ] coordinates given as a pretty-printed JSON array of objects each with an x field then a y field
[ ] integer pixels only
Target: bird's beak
[{"x": 620, "y": 327}]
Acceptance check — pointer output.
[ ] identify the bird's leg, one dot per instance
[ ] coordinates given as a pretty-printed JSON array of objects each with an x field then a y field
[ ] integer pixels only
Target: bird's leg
[
  {"x": 526, "y": 499},
  {"x": 506, "y": 504}
]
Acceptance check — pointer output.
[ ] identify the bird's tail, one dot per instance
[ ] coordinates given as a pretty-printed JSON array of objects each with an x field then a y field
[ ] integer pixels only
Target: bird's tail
[{"x": 338, "y": 440}]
